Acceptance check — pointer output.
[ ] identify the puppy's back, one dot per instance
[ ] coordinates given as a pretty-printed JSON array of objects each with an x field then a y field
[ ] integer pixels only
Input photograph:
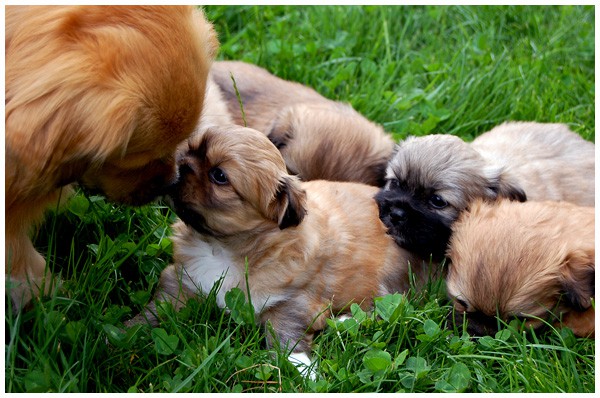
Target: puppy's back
[
  {"x": 549, "y": 160},
  {"x": 362, "y": 247},
  {"x": 331, "y": 141},
  {"x": 263, "y": 94}
]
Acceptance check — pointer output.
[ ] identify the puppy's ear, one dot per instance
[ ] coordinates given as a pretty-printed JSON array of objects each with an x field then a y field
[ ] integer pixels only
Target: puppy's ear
[
  {"x": 578, "y": 279},
  {"x": 504, "y": 185},
  {"x": 281, "y": 130},
  {"x": 289, "y": 207}
]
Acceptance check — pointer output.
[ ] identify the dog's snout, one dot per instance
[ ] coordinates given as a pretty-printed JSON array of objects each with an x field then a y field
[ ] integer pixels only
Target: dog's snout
[
  {"x": 476, "y": 323},
  {"x": 171, "y": 188},
  {"x": 184, "y": 169},
  {"x": 397, "y": 215}
]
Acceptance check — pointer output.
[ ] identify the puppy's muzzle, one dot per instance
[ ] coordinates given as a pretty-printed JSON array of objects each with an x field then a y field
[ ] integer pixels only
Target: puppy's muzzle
[
  {"x": 393, "y": 213},
  {"x": 477, "y": 324},
  {"x": 173, "y": 191},
  {"x": 182, "y": 207},
  {"x": 398, "y": 215}
]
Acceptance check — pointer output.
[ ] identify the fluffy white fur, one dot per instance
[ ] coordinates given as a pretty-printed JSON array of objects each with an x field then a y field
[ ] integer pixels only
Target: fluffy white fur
[{"x": 210, "y": 262}]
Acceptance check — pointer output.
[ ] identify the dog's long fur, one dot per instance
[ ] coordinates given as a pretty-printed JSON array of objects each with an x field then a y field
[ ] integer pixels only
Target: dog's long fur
[
  {"x": 431, "y": 179},
  {"x": 318, "y": 138},
  {"x": 532, "y": 259},
  {"x": 96, "y": 95},
  {"x": 312, "y": 248}
]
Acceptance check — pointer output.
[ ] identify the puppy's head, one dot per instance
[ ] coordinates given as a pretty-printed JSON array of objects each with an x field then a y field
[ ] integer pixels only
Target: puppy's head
[
  {"x": 103, "y": 95},
  {"x": 331, "y": 141},
  {"x": 429, "y": 181},
  {"x": 532, "y": 261},
  {"x": 233, "y": 181}
]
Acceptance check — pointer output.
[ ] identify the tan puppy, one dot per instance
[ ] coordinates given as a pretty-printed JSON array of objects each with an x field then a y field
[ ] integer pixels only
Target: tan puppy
[
  {"x": 312, "y": 248},
  {"x": 527, "y": 260},
  {"x": 318, "y": 138},
  {"x": 431, "y": 179},
  {"x": 97, "y": 95}
]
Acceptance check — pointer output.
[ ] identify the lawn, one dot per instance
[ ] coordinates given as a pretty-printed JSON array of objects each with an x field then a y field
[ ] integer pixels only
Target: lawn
[{"x": 415, "y": 71}]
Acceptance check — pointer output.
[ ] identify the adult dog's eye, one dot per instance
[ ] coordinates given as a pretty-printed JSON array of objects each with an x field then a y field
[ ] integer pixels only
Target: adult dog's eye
[
  {"x": 217, "y": 176},
  {"x": 437, "y": 202}
]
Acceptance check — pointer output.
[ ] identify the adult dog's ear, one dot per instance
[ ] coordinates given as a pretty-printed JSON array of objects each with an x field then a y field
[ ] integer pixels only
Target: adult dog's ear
[
  {"x": 290, "y": 203},
  {"x": 578, "y": 279},
  {"x": 504, "y": 185}
]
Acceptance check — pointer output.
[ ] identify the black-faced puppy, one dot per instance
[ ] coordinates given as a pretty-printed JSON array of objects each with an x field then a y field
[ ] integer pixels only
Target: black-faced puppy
[
  {"x": 312, "y": 248},
  {"x": 533, "y": 260},
  {"x": 318, "y": 138},
  {"x": 431, "y": 179},
  {"x": 99, "y": 95}
]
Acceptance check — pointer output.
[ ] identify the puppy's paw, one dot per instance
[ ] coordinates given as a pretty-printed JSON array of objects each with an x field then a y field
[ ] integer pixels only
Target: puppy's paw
[
  {"x": 343, "y": 317},
  {"x": 146, "y": 317},
  {"x": 303, "y": 363},
  {"x": 139, "y": 319}
]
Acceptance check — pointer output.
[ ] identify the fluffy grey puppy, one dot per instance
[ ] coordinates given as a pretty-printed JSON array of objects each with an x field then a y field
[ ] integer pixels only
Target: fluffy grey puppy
[{"x": 431, "y": 179}]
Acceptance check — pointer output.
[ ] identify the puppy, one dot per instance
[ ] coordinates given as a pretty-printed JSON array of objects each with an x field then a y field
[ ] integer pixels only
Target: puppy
[
  {"x": 533, "y": 260},
  {"x": 96, "y": 95},
  {"x": 431, "y": 179},
  {"x": 318, "y": 138},
  {"x": 311, "y": 248}
]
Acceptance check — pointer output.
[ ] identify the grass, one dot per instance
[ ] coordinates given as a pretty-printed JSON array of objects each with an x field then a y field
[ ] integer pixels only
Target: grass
[{"x": 415, "y": 70}]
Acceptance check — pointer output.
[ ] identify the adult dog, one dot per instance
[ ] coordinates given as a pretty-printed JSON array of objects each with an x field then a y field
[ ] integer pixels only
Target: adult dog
[{"x": 97, "y": 95}]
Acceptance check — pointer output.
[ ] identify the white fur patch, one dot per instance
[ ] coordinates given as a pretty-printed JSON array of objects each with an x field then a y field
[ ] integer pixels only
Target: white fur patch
[
  {"x": 209, "y": 262},
  {"x": 303, "y": 363}
]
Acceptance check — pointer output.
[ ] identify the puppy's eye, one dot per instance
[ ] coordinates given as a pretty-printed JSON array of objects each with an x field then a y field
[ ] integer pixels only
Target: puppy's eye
[
  {"x": 461, "y": 304},
  {"x": 217, "y": 176},
  {"x": 393, "y": 183},
  {"x": 437, "y": 202}
]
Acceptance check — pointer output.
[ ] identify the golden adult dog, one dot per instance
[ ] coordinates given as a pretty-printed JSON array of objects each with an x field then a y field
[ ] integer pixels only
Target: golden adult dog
[
  {"x": 312, "y": 248},
  {"x": 532, "y": 260},
  {"x": 318, "y": 138},
  {"x": 431, "y": 179},
  {"x": 96, "y": 95}
]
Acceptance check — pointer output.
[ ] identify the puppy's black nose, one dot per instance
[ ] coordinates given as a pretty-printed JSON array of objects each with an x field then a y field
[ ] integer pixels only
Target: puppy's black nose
[
  {"x": 172, "y": 188},
  {"x": 397, "y": 215}
]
